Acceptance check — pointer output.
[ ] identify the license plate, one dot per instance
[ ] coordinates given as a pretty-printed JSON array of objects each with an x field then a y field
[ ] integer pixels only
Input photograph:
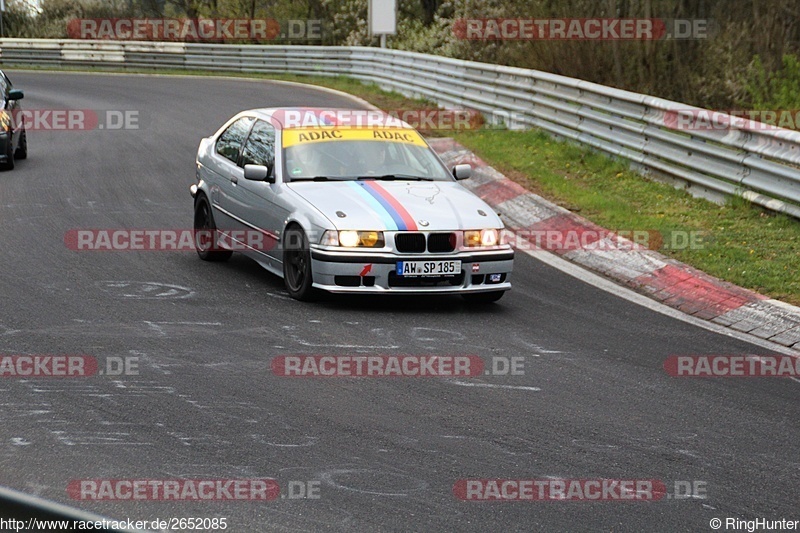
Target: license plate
[{"x": 428, "y": 268}]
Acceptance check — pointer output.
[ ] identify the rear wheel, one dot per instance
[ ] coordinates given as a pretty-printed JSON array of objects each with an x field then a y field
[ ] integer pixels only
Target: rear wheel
[
  {"x": 9, "y": 162},
  {"x": 205, "y": 233},
  {"x": 483, "y": 297},
  {"x": 297, "y": 275},
  {"x": 22, "y": 147}
]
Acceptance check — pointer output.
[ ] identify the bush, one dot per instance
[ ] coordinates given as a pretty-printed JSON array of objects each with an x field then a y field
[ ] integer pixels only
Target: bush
[{"x": 774, "y": 90}]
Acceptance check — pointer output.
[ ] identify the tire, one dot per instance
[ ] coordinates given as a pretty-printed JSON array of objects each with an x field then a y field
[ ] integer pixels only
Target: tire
[
  {"x": 483, "y": 297},
  {"x": 297, "y": 274},
  {"x": 22, "y": 147},
  {"x": 9, "y": 164},
  {"x": 209, "y": 249}
]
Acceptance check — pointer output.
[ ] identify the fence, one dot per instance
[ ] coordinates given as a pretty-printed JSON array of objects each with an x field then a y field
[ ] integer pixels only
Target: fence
[{"x": 724, "y": 157}]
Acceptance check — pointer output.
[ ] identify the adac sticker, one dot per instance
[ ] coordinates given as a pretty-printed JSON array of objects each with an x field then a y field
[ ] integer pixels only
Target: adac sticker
[{"x": 295, "y": 136}]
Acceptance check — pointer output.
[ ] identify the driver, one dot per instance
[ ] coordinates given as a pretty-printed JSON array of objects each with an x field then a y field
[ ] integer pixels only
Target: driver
[
  {"x": 305, "y": 161},
  {"x": 373, "y": 158}
]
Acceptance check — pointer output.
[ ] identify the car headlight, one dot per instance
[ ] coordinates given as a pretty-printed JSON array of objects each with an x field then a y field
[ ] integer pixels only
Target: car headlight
[
  {"x": 480, "y": 237},
  {"x": 353, "y": 239}
]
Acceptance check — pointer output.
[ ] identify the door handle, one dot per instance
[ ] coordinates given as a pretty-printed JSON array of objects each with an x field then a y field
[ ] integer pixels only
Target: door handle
[{"x": 234, "y": 180}]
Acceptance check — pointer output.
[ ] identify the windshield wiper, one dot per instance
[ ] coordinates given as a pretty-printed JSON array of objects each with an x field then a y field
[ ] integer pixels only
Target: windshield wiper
[
  {"x": 399, "y": 177},
  {"x": 312, "y": 178}
]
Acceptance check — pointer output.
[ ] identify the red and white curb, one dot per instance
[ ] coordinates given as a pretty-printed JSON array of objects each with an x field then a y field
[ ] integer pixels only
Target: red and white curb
[{"x": 664, "y": 279}]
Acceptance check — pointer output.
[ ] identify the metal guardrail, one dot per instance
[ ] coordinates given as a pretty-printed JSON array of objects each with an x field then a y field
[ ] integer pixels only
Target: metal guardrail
[{"x": 742, "y": 159}]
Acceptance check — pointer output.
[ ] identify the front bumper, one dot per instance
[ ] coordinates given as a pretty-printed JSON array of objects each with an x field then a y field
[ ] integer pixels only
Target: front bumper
[{"x": 374, "y": 273}]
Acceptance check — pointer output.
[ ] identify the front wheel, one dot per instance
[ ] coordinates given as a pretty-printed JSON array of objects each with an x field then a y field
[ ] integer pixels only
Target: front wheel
[
  {"x": 205, "y": 233},
  {"x": 483, "y": 297},
  {"x": 297, "y": 275}
]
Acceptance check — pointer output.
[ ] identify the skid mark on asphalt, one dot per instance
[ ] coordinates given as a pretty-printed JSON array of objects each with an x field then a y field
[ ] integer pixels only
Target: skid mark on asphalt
[
  {"x": 209, "y": 439},
  {"x": 79, "y": 204},
  {"x": 160, "y": 327},
  {"x": 83, "y": 389},
  {"x": 321, "y": 343},
  {"x": 308, "y": 344},
  {"x": 146, "y": 361},
  {"x": 25, "y": 206},
  {"x": 219, "y": 469},
  {"x": 107, "y": 209},
  {"x": 430, "y": 337},
  {"x": 5, "y": 330},
  {"x": 240, "y": 411},
  {"x": 143, "y": 388},
  {"x": 269, "y": 440},
  {"x": 433, "y": 338},
  {"x": 145, "y": 290},
  {"x": 146, "y": 328},
  {"x": 24, "y": 410},
  {"x": 112, "y": 431},
  {"x": 676, "y": 446},
  {"x": 491, "y": 385},
  {"x": 97, "y": 438},
  {"x": 535, "y": 349},
  {"x": 373, "y": 482}
]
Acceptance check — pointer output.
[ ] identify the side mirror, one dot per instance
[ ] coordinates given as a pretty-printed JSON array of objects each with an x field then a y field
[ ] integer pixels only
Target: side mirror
[
  {"x": 15, "y": 94},
  {"x": 462, "y": 172},
  {"x": 258, "y": 173}
]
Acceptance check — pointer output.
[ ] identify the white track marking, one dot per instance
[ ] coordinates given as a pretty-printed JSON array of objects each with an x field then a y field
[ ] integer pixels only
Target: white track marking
[{"x": 625, "y": 293}]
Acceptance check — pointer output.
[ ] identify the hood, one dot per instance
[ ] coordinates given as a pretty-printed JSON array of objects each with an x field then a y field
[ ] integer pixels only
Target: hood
[{"x": 398, "y": 205}]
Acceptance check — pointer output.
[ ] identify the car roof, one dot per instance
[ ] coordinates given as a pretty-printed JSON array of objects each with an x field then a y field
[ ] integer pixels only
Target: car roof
[{"x": 305, "y": 117}]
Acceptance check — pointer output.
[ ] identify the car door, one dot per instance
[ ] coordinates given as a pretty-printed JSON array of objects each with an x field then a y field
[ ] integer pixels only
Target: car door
[
  {"x": 258, "y": 200},
  {"x": 9, "y": 115},
  {"x": 224, "y": 173},
  {"x": 13, "y": 107}
]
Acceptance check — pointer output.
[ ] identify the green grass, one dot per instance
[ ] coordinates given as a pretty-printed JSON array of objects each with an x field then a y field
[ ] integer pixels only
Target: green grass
[{"x": 740, "y": 243}]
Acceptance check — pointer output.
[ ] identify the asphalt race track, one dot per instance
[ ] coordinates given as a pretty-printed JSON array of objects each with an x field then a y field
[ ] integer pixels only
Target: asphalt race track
[{"x": 594, "y": 400}]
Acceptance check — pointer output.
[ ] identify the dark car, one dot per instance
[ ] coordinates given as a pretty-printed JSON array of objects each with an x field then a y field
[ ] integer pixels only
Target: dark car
[{"x": 13, "y": 139}]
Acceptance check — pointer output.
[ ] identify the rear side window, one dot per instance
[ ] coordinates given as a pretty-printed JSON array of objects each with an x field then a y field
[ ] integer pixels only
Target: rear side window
[
  {"x": 260, "y": 146},
  {"x": 230, "y": 142}
]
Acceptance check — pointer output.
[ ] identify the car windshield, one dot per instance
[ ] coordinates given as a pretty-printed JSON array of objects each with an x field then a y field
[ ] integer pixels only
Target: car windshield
[{"x": 349, "y": 154}]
